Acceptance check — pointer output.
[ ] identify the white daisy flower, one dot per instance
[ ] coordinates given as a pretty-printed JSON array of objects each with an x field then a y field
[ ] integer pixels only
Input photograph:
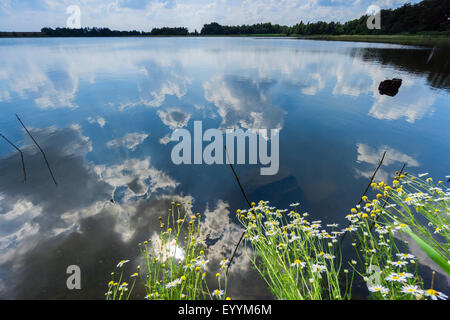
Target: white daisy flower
[
  {"x": 121, "y": 263},
  {"x": 380, "y": 289},
  {"x": 435, "y": 294},
  {"x": 217, "y": 293},
  {"x": 349, "y": 229},
  {"x": 394, "y": 277},
  {"x": 405, "y": 275},
  {"x": 411, "y": 289},
  {"x": 202, "y": 263},
  {"x": 318, "y": 268},
  {"x": 404, "y": 256},
  {"x": 298, "y": 263},
  {"x": 398, "y": 263},
  {"x": 224, "y": 262}
]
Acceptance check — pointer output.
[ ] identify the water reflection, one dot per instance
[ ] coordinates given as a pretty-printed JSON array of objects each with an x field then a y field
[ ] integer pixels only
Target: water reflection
[
  {"x": 104, "y": 109},
  {"x": 432, "y": 63}
]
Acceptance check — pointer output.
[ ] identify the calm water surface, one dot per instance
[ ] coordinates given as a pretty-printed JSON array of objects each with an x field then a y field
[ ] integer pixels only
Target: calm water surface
[{"x": 103, "y": 110}]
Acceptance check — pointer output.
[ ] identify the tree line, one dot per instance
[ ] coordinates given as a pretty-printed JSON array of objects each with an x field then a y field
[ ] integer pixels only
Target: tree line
[{"x": 426, "y": 16}]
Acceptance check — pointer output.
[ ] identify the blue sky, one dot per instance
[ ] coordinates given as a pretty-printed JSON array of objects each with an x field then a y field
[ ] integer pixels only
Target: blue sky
[{"x": 32, "y": 15}]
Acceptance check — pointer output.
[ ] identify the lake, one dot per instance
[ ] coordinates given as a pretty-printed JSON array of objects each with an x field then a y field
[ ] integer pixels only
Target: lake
[{"x": 103, "y": 110}]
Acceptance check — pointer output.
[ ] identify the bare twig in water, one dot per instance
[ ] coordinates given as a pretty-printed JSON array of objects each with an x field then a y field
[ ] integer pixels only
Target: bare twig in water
[
  {"x": 365, "y": 191},
  {"x": 21, "y": 156},
  {"x": 42, "y": 151},
  {"x": 248, "y": 202}
]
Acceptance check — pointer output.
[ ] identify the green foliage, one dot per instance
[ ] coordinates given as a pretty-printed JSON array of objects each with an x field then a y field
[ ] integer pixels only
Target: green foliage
[
  {"x": 302, "y": 260},
  {"x": 428, "y": 15},
  {"x": 424, "y": 17},
  {"x": 165, "y": 31},
  {"x": 174, "y": 263},
  {"x": 296, "y": 258}
]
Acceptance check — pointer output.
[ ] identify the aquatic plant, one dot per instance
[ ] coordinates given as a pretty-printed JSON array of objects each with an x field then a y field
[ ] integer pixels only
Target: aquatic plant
[
  {"x": 174, "y": 263},
  {"x": 301, "y": 259},
  {"x": 409, "y": 206},
  {"x": 296, "y": 258}
]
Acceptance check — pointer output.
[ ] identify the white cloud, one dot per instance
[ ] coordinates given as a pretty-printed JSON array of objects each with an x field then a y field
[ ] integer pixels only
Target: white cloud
[
  {"x": 368, "y": 155},
  {"x": 165, "y": 139},
  {"x": 129, "y": 141},
  {"x": 17, "y": 15},
  {"x": 243, "y": 102},
  {"x": 174, "y": 118},
  {"x": 99, "y": 120},
  {"x": 412, "y": 103}
]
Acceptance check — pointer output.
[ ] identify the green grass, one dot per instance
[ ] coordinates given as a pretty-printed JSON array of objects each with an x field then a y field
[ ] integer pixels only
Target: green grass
[
  {"x": 296, "y": 258},
  {"x": 420, "y": 40},
  {"x": 174, "y": 264},
  {"x": 301, "y": 259}
]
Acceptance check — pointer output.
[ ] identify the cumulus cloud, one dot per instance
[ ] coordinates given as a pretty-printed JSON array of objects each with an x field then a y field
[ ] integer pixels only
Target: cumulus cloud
[
  {"x": 44, "y": 228},
  {"x": 412, "y": 103},
  {"x": 129, "y": 141},
  {"x": 174, "y": 118},
  {"x": 243, "y": 102},
  {"x": 222, "y": 235},
  {"x": 19, "y": 15},
  {"x": 98, "y": 120},
  {"x": 372, "y": 156},
  {"x": 165, "y": 139}
]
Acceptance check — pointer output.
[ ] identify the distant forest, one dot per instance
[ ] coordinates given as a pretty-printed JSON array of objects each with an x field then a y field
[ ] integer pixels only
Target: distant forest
[{"x": 424, "y": 17}]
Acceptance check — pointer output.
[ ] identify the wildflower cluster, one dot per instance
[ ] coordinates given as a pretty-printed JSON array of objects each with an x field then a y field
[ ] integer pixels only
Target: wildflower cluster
[
  {"x": 301, "y": 259},
  {"x": 174, "y": 262},
  {"x": 408, "y": 206},
  {"x": 297, "y": 258}
]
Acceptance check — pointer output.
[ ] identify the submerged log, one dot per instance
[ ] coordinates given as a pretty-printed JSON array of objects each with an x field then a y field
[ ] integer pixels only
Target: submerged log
[{"x": 390, "y": 87}]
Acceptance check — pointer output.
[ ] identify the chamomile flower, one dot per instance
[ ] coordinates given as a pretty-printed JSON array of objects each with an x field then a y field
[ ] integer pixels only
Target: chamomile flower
[
  {"x": 435, "y": 294},
  {"x": 394, "y": 277},
  {"x": 224, "y": 262},
  {"x": 121, "y": 263},
  {"x": 217, "y": 293},
  {"x": 379, "y": 289},
  {"x": 123, "y": 287},
  {"x": 202, "y": 263},
  {"x": 298, "y": 263},
  {"x": 412, "y": 289},
  {"x": 349, "y": 229},
  {"x": 334, "y": 225},
  {"x": 405, "y": 275},
  {"x": 404, "y": 256},
  {"x": 318, "y": 268},
  {"x": 398, "y": 263}
]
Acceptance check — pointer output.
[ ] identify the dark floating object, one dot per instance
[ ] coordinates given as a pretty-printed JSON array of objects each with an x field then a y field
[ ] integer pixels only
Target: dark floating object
[{"x": 390, "y": 87}]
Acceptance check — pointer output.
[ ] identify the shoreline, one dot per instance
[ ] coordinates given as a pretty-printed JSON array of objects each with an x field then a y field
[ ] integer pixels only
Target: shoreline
[{"x": 418, "y": 40}]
